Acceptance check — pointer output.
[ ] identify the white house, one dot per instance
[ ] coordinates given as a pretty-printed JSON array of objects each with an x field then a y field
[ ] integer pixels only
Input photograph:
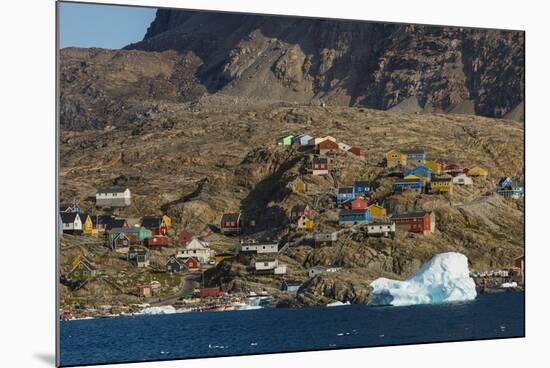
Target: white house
[
  {"x": 381, "y": 228},
  {"x": 259, "y": 248},
  {"x": 319, "y": 270},
  {"x": 462, "y": 179},
  {"x": 71, "y": 222},
  {"x": 113, "y": 197},
  {"x": 197, "y": 248},
  {"x": 270, "y": 266}
]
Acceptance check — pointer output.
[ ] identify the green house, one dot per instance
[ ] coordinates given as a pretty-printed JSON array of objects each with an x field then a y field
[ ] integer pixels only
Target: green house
[
  {"x": 285, "y": 141},
  {"x": 137, "y": 233}
]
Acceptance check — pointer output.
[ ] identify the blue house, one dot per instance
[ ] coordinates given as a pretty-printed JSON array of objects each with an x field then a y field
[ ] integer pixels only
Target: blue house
[
  {"x": 302, "y": 140},
  {"x": 362, "y": 187},
  {"x": 420, "y": 171},
  {"x": 175, "y": 265},
  {"x": 345, "y": 194},
  {"x": 290, "y": 286},
  {"x": 505, "y": 183},
  {"x": 408, "y": 184},
  {"x": 353, "y": 217}
]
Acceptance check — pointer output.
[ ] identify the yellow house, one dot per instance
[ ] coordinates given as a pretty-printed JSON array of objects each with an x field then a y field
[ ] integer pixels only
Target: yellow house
[
  {"x": 395, "y": 158},
  {"x": 377, "y": 211},
  {"x": 88, "y": 225},
  {"x": 167, "y": 220},
  {"x": 478, "y": 171},
  {"x": 441, "y": 185},
  {"x": 434, "y": 166},
  {"x": 298, "y": 185},
  {"x": 416, "y": 177},
  {"x": 305, "y": 223},
  {"x": 222, "y": 256}
]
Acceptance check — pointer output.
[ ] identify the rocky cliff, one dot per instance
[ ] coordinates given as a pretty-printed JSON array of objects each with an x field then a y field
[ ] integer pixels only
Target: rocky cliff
[{"x": 377, "y": 65}]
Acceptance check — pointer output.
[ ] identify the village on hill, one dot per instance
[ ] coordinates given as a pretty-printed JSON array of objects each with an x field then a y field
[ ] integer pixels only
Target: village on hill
[{"x": 176, "y": 267}]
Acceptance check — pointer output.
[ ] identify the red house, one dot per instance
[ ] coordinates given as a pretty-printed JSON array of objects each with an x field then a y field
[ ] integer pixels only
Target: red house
[
  {"x": 327, "y": 146},
  {"x": 154, "y": 223},
  {"x": 192, "y": 263},
  {"x": 319, "y": 166},
  {"x": 210, "y": 292},
  {"x": 156, "y": 241},
  {"x": 415, "y": 222},
  {"x": 231, "y": 224},
  {"x": 357, "y": 204},
  {"x": 357, "y": 152},
  {"x": 184, "y": 237},
  {"x": 300, "y": 210}
]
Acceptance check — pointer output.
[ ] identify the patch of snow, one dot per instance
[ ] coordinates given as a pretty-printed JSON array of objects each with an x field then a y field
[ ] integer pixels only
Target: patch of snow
[
  {"x": 165, "y": 309},
  {"x": 444, "y": 278}
]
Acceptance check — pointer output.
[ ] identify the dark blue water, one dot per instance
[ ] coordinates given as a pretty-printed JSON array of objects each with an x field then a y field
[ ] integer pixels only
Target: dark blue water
[{"x": 207, "y": 334}]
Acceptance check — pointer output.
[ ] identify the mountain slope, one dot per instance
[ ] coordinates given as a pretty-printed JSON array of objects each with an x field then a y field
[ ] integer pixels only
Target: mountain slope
[{"x": 346, "y": 62}]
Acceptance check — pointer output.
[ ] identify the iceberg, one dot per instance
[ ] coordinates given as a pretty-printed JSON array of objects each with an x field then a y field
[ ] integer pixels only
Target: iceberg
[
  {"x": 444, "y": 278},
  {"x": 337, "y": 304}
]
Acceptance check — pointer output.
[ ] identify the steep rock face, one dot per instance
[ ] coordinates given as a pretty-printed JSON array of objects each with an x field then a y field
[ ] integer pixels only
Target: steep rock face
[{"x": 347, "y": 62}]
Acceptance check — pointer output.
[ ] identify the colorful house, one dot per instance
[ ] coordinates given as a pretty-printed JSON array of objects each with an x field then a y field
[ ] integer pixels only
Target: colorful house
[
  {"x": 138, "y": 256},
  {"x": 72, "y": 224},
  {"x": 319, "y": 166},
  {"x": 167, "y": 220},
  {"x": 327, "y": 146},
  {"x": 155, "y": 223},
  {"x": 420, "y": 171},
  {"x": 505, "y": 183},
  {"x": 415, "y": 222},
  {"x": 415, "y": 157},
  {"x": 302, "y": 140},
  {"x": 353, "y": 217},
  {"x": 454, "y": 169},
  {"x": 175, "y": 265},
  {"x": 434, "y": 166},
  {"x": 300, "y": 210},
  {"x": 395, "y": 158},
  {"x": 376, "y": 211},
  {"x": 192, "y": 263},
  {"x": 285, "y": 141},
  {"x": 356, "y": 204},
  {"x": 113, "y": 197},
  {"x": 441, "y": 185},
  {"x": 304, "y": 223},
  {"x": 357, "y": 152},
  {"x": 231, "y": 224},
  {"x": 478, "y": 171},
  {"x": 345, "y": 194},
  {"x": 212, "y": 292},
  {"x": 88, "y": 225},
  {"x": 82, "y": 270},
  {"x": 362, "y": 187},
  {"x": 120, "y": 240},
  {"x": 156, "y": 241},
  {"x": 408, "y": 184},
  {"x": 319, "y": 140},
  {"x": 298, "y": 185}
]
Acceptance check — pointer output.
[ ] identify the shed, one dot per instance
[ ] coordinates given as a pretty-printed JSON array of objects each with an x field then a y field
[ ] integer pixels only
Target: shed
[
  {"x": 285, "y": 141},
  {"x": 192, "y": 263}
]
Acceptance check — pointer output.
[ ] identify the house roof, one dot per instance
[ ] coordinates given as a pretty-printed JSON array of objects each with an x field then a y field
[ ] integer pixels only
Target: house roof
[
  {"x": 344, "y": 190},
  {"x": 408, "y": 215},
  {"x": 356, "y": 151},
  {"x": 68, "y": 217},
  {"x": 266, "y": 260},
  {"x": 194, "y": 259},
  {"x": 116, "y": 223},
  {"x": 101, "y": 219},
  {"x": 138, "y": 250},
  {"x": 320, "y": 160},
  {"x": 361, "y": 183},
  {"x": 197, "y": 244},
  {"x": 173, "y": 258},
  {"x": 83, "y": 216},
  {"x": 328, "y": 144},
  {"x": 111, "y": 190},
  {"x": 151, "y": 221},
  {"x": 234, "y": 217},
  {"x": 352, "y": 212},
  {"x": 408, "y": 181}
]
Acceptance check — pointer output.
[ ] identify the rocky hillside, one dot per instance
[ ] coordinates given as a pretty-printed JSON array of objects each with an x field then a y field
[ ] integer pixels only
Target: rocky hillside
[{"x": 347, "y": 63}]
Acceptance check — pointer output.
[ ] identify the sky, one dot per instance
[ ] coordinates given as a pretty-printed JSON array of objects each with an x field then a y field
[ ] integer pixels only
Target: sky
[{"x": 105, "y": 26}]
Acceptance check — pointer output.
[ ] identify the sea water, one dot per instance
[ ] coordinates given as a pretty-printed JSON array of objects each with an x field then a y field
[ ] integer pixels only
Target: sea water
[{"x": 208, "y": 334}]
